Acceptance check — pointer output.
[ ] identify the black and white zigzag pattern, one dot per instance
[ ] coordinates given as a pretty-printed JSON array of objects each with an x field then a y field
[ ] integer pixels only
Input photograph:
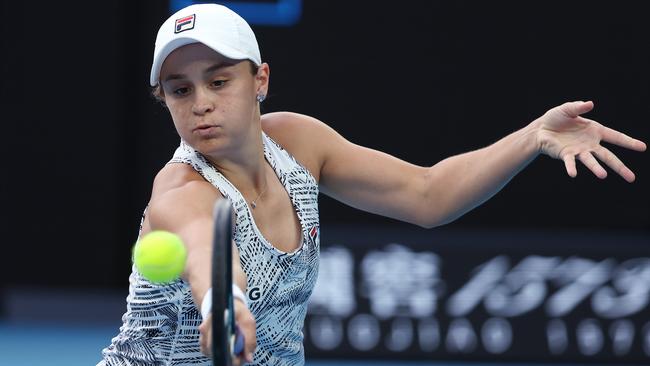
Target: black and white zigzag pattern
[{"x": 160, "y": 326}]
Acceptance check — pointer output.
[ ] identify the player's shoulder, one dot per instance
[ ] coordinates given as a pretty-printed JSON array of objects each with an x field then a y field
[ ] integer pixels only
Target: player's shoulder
[
  {"x": 178, "y": 176},
  {"x": 281, "y": 125},
  {"x": 302, "y": 136},
  {"x": 179, "y": 195}
]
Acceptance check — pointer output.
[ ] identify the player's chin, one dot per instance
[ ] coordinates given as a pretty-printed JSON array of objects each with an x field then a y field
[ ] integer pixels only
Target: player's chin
[{"x": 210, "y": 146}]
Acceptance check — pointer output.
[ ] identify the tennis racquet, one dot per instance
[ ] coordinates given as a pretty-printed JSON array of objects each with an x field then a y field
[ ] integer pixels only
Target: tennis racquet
[{"x": 227, "y": 342}]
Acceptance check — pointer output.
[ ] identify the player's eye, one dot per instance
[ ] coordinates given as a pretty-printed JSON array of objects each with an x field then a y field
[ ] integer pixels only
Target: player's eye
[
  {"x": 218, "y": 83},
  {"x": 181, "y": 91}
]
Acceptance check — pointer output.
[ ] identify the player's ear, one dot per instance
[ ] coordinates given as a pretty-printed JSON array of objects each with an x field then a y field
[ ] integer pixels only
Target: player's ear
[
  {"x": 262, "y": 79},
  {"x": 159, "y": 94}
]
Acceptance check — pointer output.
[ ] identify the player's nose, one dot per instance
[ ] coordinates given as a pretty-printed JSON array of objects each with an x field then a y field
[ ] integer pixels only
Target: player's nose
[{"x": 202, "y": 103}]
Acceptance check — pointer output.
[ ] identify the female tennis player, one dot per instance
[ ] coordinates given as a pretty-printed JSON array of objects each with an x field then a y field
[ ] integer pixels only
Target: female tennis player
[{"x": 208, "y": 71}]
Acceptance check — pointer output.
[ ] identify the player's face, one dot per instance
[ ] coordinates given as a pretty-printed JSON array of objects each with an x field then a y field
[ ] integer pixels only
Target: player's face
[{"x": 212, "y": 99}]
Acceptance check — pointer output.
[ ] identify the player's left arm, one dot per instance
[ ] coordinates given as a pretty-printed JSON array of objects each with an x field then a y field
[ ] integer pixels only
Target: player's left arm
[{"x": 430, "y": 196}]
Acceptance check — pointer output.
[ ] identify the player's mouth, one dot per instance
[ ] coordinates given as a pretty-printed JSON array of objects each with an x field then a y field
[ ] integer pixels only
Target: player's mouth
[{"x": 206, "y": 129}]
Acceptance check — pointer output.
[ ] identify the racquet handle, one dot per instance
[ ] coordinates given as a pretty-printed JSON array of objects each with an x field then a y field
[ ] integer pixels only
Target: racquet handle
[{"x": 238, "y": 346}]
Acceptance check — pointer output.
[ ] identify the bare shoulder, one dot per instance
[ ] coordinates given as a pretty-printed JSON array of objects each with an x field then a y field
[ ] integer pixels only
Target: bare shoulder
[
  {"x": 179, "y": 194},
  {"x": 174, "y": 176},
  {"x": 302, "y": 136},
  {"x": 289, "y": 129}
]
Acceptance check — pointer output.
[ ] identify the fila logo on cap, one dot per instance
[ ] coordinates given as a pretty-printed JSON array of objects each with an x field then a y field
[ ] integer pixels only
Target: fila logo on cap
[{"x": 184, "y": 23}]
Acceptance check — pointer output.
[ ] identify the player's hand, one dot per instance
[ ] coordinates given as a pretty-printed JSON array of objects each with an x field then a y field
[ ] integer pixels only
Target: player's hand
[
  {"x": 246, "y": 323},
  {"x": 564, "y": 134},
  {"x": 205, "y": 336}
]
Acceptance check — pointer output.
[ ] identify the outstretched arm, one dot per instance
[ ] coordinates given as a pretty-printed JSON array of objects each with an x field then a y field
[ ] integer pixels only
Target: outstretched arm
[
  {"x": 182, "y": 203},
  {"x": 430, "y": 196},
  {"x": 562, "y": 133}
]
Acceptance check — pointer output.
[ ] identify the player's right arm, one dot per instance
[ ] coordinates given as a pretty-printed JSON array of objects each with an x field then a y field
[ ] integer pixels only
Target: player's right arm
[{"x": 182, "y": 202}]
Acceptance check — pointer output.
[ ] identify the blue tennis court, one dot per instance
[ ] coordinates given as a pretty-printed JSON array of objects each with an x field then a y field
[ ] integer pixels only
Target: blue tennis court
[{"x": 57, "y": 344}]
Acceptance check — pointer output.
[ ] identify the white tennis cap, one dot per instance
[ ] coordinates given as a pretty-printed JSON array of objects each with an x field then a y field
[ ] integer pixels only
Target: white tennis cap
[{"x": 214, "y": 25}]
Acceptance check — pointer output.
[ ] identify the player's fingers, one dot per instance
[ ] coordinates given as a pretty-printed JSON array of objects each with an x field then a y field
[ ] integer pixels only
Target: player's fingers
[
  {"x": 247, "y": 326},
  {"x": 612, "y": 161},
  {"x": 205, "y": 337},
  {"x": 618, "y": 138},
  {"x": 250, "y": 345},
  {"x": 570, "y": 165},
  {"x": 239, "y": 356},
  {"x": 574, "y": 109},
  {"x": 590, "y": 162}
]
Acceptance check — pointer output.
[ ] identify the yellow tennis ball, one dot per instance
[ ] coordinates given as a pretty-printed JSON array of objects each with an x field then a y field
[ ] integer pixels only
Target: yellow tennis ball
[{"x": 160, "y": 256}]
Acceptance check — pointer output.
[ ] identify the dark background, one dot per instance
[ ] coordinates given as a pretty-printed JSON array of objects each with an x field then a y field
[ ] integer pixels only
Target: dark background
[{"x": 422, "y": 80}]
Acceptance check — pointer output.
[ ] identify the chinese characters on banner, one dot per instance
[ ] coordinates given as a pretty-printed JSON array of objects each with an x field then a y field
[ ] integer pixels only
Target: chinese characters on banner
[{"x": 501, "y": 298}]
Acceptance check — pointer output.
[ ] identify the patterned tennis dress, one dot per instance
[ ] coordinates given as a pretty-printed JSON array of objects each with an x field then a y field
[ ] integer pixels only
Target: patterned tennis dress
[{"x": 160, "y": 326}]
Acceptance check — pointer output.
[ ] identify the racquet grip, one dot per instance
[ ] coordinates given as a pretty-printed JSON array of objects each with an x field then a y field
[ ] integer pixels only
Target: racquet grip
[{"x": 240, "y": 340}]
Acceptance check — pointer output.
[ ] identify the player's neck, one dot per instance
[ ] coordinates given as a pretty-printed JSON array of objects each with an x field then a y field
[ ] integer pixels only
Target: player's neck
[{"x": 246, "y": 167}]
